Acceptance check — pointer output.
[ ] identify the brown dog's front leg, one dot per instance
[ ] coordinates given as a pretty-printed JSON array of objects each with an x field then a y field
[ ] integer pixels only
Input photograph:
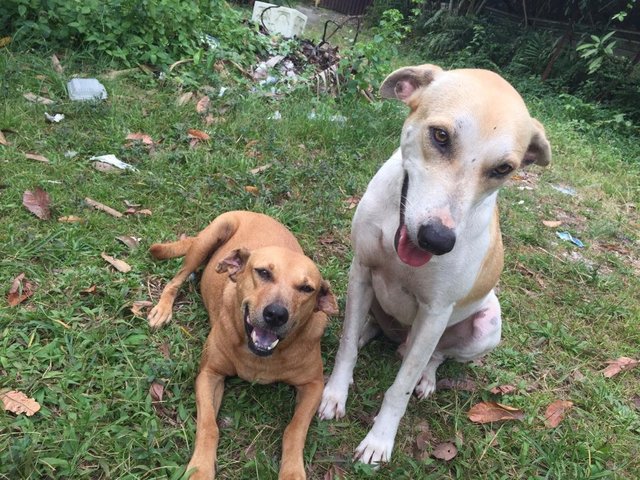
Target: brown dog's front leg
[
  {"x": 295, "y": 435},
  {"x": 209, "y": 389}
]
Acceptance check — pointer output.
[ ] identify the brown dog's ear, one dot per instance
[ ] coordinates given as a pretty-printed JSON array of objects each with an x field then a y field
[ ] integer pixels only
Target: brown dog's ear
[
  {"x": 403, "y": 82},
  {"x": 234, "y": 263},
  {"x": 326, "y": 301},
  {"x": 539, "y": 150}
]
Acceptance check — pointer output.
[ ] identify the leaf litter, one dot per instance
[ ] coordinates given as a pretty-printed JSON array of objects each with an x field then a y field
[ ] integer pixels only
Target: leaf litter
[
  {"x": 38, "y": 203},
  {"x": 17, "y": 402},
  {"x": 20, "y": 290}
]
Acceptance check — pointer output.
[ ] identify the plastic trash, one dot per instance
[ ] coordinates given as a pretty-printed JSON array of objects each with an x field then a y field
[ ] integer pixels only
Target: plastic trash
[
  {"x": 566, "y": 236},
  {"x": 86, "y": 89},
  {"x": 113, "y": 160},
  {"x": 564, "y": 189}
]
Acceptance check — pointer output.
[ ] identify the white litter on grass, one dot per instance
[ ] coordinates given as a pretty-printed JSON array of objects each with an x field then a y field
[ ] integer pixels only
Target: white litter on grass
[
  {"x": 70, "y": 154},
  {"x": 276, "y": 116},
  {"x": 222, "y": 90},
  {"x": 57, "y": 118},
  {"x": 565, "y": 189},
  {"x": 83, "y": 89},
  {"x": 113, "y": 160}
]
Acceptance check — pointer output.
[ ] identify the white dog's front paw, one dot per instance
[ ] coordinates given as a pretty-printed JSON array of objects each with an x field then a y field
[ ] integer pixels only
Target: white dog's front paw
[
  {"x": 426, "y": 386},
  {"x": 333, "y": 402},
  {"x": 374, "y": 449}
]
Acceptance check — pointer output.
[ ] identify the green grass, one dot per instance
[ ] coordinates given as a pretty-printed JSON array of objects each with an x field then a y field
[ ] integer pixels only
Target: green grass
[{"x": 89, "y": 361}]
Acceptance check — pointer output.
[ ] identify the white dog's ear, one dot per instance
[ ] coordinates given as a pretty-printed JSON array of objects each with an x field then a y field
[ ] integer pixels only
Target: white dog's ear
[
  {"x": 234, "y": 263},
  {"x": 326, "y": 301},
  {"x": 539, "y": 150},
  {"x": 403, "y": 82}
]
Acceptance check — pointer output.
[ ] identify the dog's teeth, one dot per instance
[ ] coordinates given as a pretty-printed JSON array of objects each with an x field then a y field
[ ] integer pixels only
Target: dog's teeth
[{"x": 273, "y": 345}]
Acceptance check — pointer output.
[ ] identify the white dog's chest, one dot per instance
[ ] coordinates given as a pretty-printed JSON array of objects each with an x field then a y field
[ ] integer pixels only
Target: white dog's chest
[{"x": 394, "y": 297}]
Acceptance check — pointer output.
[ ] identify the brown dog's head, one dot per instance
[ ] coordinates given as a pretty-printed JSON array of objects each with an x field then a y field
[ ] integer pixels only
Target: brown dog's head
[
  {"x": 279, "y": 290},
  {"x": 467, "y": 132}
]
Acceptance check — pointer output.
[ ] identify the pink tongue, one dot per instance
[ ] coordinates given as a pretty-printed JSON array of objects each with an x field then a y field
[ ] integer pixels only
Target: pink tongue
[
  {"x": 409, "y": 253},
  {"x": 262, "y": 337}
]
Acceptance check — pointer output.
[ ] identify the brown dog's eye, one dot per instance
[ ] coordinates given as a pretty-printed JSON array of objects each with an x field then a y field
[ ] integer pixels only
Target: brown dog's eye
[
  {"x": 502, "y": 170},
  {"x": 440, "y": 136},
  {"x": 306, "y": 289},
  {"x": 263, "y": 273}
]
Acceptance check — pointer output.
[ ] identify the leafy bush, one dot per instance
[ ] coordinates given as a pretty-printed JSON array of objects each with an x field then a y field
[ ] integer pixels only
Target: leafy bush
[{"x": 132, "y": 31}]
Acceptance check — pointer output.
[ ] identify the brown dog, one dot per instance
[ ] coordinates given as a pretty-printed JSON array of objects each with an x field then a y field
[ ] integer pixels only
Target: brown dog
[{"x": 267, "y": 307}]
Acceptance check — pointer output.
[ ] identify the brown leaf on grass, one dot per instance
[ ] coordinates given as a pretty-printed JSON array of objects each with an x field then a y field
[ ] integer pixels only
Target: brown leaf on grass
[
  {"x": 17, "y": 402},
  {"x": 335, "y": 472},
  {"x": 198, "y": 134},
  {"x": 260, "y": 169},
  {"x": 89, "y": 291},
  {"x": 486, "y": 412},
  {"x": 119, "y": 265},
  {"x": 139, "y": 307},
  {"x": 352, "y": 202},
  {"x": 445, "y": 451},
  {"x": 102, "y": 207},
  {"x": 552, "y": 223},
  {"x": 618, "y": 365},
  {"x": 35, "y": 156},
  {"x": 423, "y": 441},
  {"x": 164, "y": 350},
  {"x": 184, "y": 99},
  {"x": 70, "y": 219},
  {"x": 210, "y": 119},
  {"x": 503, "y": 389},
  {"x": 251, "y": 189},
  {"x": 140, "y": 137},
  {"x": 133, "y": 211},
  {"x": 156, "y": 390},
  {"x": 38, "y": 99},
  {"x": 555, "y": 412},
  {"x": 3, "y": 140},
  {"x": 20, "y": 290},
  {"x": 203, "y": 105},
  {"x": 37, "y": 202},
  {"x": 129, "y": 241},
  {"x": 459, "y": 384},
  {"x": 57, "y": 66},
  {"x": 4, "y": 41}
]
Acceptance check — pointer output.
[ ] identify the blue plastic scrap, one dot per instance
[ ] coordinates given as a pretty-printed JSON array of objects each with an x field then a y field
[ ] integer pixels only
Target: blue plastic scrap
[{"x": 570, "y": 238}]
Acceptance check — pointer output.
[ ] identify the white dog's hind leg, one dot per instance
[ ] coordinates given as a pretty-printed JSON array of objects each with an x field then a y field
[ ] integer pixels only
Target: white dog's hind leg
[
  {"x": 359, "y": 299},
  {"x": 465, "y": 341}
]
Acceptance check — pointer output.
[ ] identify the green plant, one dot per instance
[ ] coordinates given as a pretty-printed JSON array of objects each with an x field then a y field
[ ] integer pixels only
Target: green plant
[{"x": 597, "y": 51}]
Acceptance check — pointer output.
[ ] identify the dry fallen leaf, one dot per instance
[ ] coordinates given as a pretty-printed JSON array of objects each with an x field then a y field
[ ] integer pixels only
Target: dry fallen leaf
[
  {"x": 184, "y": 99},
  {"x": 3, "y": 140},
  {"x": 35, "y": 156},
  {"x": 140, "y": 137},
  {"x": 335, "y": 472},
  {"x": 38, "y": 99},
  {"x": 252, "y": 189},
  {"x": 260, "y": 169},
  {"x": 164, "y": 350},
  {"x": 555, "y": 412},
  {"x": 423, "y": 441},
  {"x": 460, "y": 384},
  {"x": 156, "y": 390},
  {"x": 129, "y": 241},
  {"x": 56, "y": 64},
  {"x": 618, "y": 365},
  {"x": 37, "y": 202},
  {"x": 102, "y": 207},
  {"x": 4, "y": 41},
  {"x": 203, "y": 105},
  {"x": 503, "y": 389},
  {"x": 445, "y": 451},
  {"x": 20, "y": 290},
  {"x": 119, "y": 265},
  {"x": 351, "y": 202},
  {"x": 91, "y": 290},
  {"x": 18, "y": 402},
  {"x": 139, "y": 306},
  {"x": 198, "y": 134},
  {"x": 70, "y": 219},
  {"x": 485, "y": 412},
  {"x": 552, "y": 223}
]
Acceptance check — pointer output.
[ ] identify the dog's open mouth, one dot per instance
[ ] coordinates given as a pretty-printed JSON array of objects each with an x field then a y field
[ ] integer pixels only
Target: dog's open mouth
[
  {"x": 261, "y": 341},
  {"x": 408, "y": 251}
]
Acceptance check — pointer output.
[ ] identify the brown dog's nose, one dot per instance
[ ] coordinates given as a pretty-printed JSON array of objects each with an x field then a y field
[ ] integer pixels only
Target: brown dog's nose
[
  {"x": 275, "y": 315},
  {"x": 436, "y": 238}
]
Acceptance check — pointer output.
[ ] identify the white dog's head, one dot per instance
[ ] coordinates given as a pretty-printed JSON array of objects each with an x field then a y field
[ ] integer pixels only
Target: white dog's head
[{"x": 467, "y": 132}]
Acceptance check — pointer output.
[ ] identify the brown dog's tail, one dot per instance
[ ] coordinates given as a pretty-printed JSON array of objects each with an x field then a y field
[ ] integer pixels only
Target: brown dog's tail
[{"x": 162, "y": 251}]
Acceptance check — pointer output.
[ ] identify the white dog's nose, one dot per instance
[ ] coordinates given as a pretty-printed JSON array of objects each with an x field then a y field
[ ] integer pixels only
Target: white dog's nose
[{"x": 436, "y": 238}]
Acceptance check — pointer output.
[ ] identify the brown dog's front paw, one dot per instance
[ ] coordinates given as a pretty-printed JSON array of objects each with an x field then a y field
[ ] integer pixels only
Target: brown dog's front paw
[
  {"x": 292, "y": 474},
  {"x": 159, "y": 315}
]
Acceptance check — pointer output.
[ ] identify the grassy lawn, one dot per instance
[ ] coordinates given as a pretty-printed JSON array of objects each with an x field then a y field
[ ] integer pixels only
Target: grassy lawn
[{"x": 80, "y": 351}]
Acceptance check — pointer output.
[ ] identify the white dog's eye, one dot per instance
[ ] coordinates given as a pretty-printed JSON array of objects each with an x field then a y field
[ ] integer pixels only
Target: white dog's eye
[
  {"x": 440, "y": 136},
  {"x": 502, "y": 170}
]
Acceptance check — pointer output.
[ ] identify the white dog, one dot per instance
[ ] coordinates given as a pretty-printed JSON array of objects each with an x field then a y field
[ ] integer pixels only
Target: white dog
[{"x": 426, "y": 236}]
